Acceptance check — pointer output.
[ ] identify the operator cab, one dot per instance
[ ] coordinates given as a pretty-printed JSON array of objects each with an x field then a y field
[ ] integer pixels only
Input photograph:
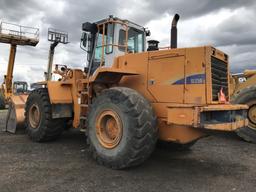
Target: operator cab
[
  {"x": 20, "y": 87},
  {"x": 108, "y": 38}
]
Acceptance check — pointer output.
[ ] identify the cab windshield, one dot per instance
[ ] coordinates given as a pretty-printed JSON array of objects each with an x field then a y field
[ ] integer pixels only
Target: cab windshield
[
  {"x": 135, "y": 41},
  {"x": 20, "y": 88}
]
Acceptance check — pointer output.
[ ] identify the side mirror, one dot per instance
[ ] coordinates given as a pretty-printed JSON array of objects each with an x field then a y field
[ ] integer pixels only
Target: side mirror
[
  {"x": 90, "y": 27},
  {"x": 84, "y": 39},
  {"x": 148, "y": 33}
]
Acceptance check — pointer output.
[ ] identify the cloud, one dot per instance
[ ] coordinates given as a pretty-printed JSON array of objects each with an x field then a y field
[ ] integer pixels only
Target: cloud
[
  {"x": 147, "y": 10},
  {"x": 17, "y": 10},
  {"x": 228, "y": 25}
]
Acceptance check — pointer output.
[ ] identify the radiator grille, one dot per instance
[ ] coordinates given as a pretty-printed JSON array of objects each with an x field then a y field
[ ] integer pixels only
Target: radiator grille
[{"x": 219, "y": 77}]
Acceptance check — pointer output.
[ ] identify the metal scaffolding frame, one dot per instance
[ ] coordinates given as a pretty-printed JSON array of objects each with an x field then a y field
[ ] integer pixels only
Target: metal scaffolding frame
[{"x": 19, "y": 35}]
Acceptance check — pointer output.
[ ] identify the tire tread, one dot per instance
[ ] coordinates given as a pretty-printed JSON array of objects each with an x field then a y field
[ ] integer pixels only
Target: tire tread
[
  {"x": 145, "y": 136},
  {"x": 242, "y": 97},
  {"x": 52, "y": 128}
]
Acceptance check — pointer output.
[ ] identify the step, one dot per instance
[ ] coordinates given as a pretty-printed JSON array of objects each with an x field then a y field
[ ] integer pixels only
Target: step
[
  {"x": 83, "y": 118},
  {"x": 83, "y": 130},
  {"x": 84, "y": 92}
]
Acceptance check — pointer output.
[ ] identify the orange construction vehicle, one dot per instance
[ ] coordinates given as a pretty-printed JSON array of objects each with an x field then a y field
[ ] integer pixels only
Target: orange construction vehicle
[{"x": 129, "y": 97}]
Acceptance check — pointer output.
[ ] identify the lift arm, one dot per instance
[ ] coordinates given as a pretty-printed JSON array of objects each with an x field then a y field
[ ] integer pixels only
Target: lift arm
[
  {"x": 8, "y": 77},
  {"x": 14, "y": 35},
  {"x": 55, "y": 36},
  {"x": 48, "y": 74}
]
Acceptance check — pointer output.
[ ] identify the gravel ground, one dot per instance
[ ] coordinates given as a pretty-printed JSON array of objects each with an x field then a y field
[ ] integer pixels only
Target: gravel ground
[{"x": 217, "y": 163}]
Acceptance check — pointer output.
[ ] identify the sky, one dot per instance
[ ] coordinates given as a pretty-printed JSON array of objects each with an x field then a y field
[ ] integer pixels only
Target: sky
[{"x": 229, "y": 25}]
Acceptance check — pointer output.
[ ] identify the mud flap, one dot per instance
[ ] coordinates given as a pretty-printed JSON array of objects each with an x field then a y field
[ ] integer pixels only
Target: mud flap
[
  {"x": 11, "y": 120},
  {"x": 15, "y": 116}
]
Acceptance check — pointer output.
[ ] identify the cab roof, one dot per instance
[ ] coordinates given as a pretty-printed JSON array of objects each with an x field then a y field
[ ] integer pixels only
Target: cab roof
[{"x": 130, "y": 23}]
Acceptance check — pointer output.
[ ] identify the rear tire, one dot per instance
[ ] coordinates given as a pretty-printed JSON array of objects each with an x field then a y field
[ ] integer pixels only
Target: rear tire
[
  {"x": 40, "y": 126},
  {"x": 135, "y": 132},
  {"x": 247, "y": 96},
  {"x": 2, "y": 101}
]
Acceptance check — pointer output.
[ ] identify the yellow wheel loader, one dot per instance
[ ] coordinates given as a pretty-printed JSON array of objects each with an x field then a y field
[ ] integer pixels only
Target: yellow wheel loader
[
  {"x": 243, "y": 90},
  {"x": 15, "y": 94},
  {"x": 128, "y": 97}
]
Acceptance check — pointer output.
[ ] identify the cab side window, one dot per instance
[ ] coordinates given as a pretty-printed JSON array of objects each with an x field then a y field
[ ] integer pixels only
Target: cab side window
[
  {"x": 110, "y": 38},
  {"x": 135, "y": 40},
  {"x": 121, "y": 40}
]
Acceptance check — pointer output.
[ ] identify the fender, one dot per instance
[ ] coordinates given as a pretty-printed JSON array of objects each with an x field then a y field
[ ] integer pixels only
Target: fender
[{"x": 110, "y": 75}]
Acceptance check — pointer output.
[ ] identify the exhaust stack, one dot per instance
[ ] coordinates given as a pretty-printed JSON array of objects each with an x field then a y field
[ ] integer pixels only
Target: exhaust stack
[{"x": 174, "y": 31}]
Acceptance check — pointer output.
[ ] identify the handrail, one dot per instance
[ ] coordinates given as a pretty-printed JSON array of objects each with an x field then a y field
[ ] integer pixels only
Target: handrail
[{"x": 19, "y": 30}]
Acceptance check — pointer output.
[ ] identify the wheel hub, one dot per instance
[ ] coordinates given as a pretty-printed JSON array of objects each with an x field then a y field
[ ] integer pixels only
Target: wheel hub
[
  {"x": 34, "y": 116},
  {"x": 109, "y": 129}
]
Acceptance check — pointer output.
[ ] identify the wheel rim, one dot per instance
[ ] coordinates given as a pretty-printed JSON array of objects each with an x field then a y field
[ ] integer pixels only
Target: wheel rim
[
  {"x": 252, "y": 116},
  {"x": 34, "y": 116},
  {"x": 109, "y": 129}
]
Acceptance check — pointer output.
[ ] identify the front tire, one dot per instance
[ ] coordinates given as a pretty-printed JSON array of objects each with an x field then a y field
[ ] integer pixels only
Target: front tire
[
  {"x": 40, "y": 126},
  {"x": 121, "y": 128},
  {"x": 247, "y": 96}
]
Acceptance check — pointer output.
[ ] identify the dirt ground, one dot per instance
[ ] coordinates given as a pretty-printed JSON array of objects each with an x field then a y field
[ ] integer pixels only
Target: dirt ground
[{"x": 217, "y": 163}]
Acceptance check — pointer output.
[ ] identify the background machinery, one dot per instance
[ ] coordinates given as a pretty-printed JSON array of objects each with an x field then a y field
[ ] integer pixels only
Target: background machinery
[
  {"x": 18, "y": 88},
  {"x": 129, "y": 97},
  {"x": 55, "y": 36},
  {"x": 15, "y": 94},
  {"x": 243, "y": 90}
]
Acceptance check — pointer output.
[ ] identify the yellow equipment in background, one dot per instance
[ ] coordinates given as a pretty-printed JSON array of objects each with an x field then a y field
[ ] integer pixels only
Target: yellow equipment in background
[
  {"x": 15, "y": 35},
  {"x": 243, "y": 91},
  {"x": 18, "y": 88}
]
